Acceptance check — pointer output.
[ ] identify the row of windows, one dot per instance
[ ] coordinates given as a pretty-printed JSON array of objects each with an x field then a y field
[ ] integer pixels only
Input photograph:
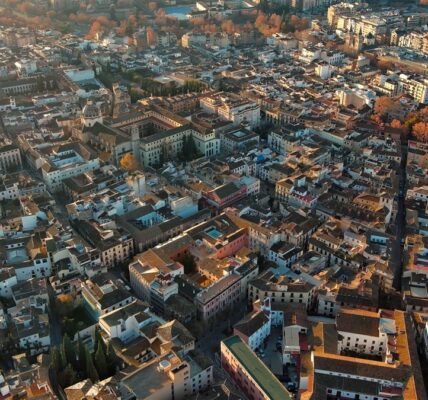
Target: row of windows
[
  {"x": 365, "y": 340},
  {"x": 273, "y": 294}
]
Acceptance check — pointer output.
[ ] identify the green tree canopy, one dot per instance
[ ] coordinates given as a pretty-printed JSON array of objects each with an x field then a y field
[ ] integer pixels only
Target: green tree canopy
[
  {"x": 112, "y": 359},
  {"x": 55, "y": 361},
  {"x": 68, "y": 352},
  {"x": 91, "y": 371},
  {"x": 101, "y": 362},
  {"x": 67, "y": 377},
  {"x": 80, "y": 352}
]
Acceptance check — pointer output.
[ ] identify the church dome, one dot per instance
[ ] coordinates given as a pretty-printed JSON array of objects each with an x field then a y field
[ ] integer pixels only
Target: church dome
[
  {"x": 91, "y": 110},
  {"x": 91, "y": 114}
]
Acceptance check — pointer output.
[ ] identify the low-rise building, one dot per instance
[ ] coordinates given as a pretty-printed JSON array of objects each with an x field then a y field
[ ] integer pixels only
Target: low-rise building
[
  {"x": 254, "y": 328},
  {"x": 169, "y": 377},
  {"x": 362, "y": 332},
  {"x": 281, "y": 290},
  {"x": 103, "y": 294}
]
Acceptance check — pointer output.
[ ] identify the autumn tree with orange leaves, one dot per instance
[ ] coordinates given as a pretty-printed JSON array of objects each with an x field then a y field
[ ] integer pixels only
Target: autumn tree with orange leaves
[
  {"x": 99, "y": 25},
  {"x": 396, "y": 124},
  {"x": 299, "y": 24},
  {"x": 151, "y": 36},
  {"x": 420, "y": 131},
  {"x": 386, "y": 106},
  {"x": 267, "y": 26},
  {"x": 129, "y": 162},
  {"x": 229, "y": 27}
]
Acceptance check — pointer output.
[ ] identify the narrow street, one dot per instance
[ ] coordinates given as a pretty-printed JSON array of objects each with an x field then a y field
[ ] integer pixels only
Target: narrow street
[
  {"x": 54, "y": 324},
  {"x": 396, "y": 257},
  {"x": 56, "y": 337}
]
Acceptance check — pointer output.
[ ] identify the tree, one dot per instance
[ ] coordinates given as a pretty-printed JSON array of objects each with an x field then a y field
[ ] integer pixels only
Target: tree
[
  {"x": 403, "y": 128},
  {"x": 55, "y": 359},
  {"x": 151, "y": 36},
  {"x": 112, "y": 359},
  {"x": 385, "y": 65},
  {"x": 100, "y": 362},
  {"x": 94, "y": 30},
  {"x": 162, "y": 155},
  {"x": 192, "y": 147},
  {"x": 299, "y": 24},
  {"x": 420, "y": 131},
  {"x": 228, "y": 27},
  {"x": 67, "y": 377},
  {"x": 422, "y": 115},
  {"x": 386, "y": 106},
  {"x": 129, "y": 162},
  {"x": 189, "y": 263},
  {"x": 396, "y": 124},
  {"x": 68, "y": 353},
  {"x": 189, "y": 150},
  {"x": 98, "y": 339},
  {"x": 149, "y": 129},
  {"x": 64, "y": 305},
  {"x": 80, "y": 352},
  {"x": 91, "y": 372}
]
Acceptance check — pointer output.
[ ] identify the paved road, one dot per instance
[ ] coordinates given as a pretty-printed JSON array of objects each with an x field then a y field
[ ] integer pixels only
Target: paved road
[
  {"x": 396, "y": 257},
  {"x": 211, "y": 338}
]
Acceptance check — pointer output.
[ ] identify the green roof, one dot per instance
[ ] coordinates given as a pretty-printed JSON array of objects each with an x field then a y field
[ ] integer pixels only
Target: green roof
[{"x": 261, "y": 374}]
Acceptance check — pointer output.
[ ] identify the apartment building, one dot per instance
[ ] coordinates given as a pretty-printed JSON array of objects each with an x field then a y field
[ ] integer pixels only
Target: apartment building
[
  {"x": 18, "y": 87},
  {"x": 219, "y": 296},
  {"x": 336, "y": 373},
  {"x": 10, "y": 156},
  {"x": 281, "y": 290},
  {"x": 231, "y": 107},
  {"x": 60, "y": 162},
  {"x": 103, "y": 294},
  {"x": 225, "y": 195},
  {"x": 27, "y": 255},
  {"x": 284, "y": 254},
  {"x": 32, "y": 329},
  {"x": 19, "y": 184},
  {"x": 115, "y": 245},
  {"x": 169, "y": 377},
  {"x": 254, "y": 328},
  {"x": 125, "y": 322},
  {"x": 416, "y": 88},
  {"x": 362, "y": 331},
  {"x": 250, "y": 373}
]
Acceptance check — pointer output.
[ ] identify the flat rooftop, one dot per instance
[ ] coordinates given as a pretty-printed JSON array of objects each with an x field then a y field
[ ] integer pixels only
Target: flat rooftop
[{"x": 148, "y": 379}]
